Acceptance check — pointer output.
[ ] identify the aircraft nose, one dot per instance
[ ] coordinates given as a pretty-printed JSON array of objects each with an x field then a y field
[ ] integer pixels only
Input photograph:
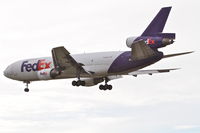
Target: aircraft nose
[
  {"x": 9, "y": 73},
  {"x": 6, "y": 72}
]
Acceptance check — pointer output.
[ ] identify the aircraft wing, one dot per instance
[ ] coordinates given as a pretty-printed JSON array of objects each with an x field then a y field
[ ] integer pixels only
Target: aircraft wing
[
  {"x": 150, "y": 72},
  {"x": 63, "y": 60}
]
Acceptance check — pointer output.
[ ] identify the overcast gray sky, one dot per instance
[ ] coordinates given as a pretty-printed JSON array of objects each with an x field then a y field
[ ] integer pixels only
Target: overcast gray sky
[{"x": 162, "y": 103}]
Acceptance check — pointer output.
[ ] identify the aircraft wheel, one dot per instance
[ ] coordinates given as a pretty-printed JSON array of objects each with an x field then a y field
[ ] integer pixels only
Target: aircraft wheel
[
  {"x": 109, "y": 87},
  {"x": 101, "y": 87},
  {"x": 78, "y": 83},
  {"x": 26, "y": 90},
  {"x": 105, "y": 87},
  {"x": 74, "y": 83}
]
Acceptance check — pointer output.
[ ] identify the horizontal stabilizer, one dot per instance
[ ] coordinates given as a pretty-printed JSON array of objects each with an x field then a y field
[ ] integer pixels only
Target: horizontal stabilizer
[
  {"x": 177, "y": 54},
  {"x": 165, "y": 35},
  {"x": 150, "y": 72}
]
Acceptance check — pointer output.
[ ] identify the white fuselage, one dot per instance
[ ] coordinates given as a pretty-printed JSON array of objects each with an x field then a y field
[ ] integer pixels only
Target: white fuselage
[{"x": 36, "y": 68}]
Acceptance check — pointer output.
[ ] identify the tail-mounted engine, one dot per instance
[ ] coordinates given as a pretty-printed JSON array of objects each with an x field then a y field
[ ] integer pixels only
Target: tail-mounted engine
[
  {"x": 154, "y": 41},
  {"x": 46, "y": 74}
]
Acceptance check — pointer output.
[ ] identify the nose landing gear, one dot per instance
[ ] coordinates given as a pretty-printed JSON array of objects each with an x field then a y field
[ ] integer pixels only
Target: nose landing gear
[{"x": 26, "y": 89}]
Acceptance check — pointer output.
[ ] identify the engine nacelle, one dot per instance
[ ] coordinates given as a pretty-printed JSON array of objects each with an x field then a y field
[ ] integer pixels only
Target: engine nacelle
[
  {"x": 92, "y": 81},
  {"x": 153, "y": 42},
  {"x": 46, "y": 74},
  {"x": 54, "y": 73},
  {"x": 130, "y": 40}
]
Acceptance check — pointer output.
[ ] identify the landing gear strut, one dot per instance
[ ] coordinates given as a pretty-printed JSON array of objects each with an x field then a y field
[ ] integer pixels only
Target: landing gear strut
[
  {"x": 106, "y": 86},
  {"x": 26, "y": 89},
  {"x": 78, "y": 82}
]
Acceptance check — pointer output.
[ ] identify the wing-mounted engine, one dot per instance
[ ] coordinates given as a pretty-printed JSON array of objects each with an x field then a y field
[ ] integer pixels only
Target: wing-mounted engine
[
  {"x": 46, "y": 74},
  {"x": 154, "y": 41},
  {"x": 92, "y": 81}
]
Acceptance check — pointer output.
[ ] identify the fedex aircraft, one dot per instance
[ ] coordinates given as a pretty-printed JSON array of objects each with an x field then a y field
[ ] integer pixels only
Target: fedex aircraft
[{"x": 93, "y": 68}]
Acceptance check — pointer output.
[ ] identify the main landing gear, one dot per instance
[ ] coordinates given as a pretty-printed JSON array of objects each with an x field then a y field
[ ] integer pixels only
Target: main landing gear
[
  {"x": 78, "y": 83},
  {"x": 26, "y": 89},
  {"x": 106, "y": 86}
]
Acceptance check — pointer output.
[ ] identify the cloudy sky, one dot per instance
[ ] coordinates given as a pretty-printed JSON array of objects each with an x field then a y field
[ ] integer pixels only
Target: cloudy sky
[{"x": 162, "y": 103}]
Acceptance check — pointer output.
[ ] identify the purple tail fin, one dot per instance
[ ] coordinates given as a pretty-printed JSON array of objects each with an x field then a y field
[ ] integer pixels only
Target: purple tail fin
[{"x": 158, "y": 23}]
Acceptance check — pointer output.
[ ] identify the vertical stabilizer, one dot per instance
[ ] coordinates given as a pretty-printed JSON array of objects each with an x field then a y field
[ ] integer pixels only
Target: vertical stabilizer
[{"x": 158, "y": 23}]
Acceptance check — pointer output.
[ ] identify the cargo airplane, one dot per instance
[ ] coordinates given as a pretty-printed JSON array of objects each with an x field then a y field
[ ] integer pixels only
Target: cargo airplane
[{"x": 93, "y": 68}]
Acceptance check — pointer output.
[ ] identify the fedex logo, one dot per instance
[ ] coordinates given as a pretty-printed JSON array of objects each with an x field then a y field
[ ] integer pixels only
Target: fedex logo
[
  {"x": 150, "y": 41},
  {"x": 41, "y": 64}
]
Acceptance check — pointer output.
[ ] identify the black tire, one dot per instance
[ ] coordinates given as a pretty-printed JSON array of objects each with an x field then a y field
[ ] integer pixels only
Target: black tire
[
  {"x": 74, "y": 83},
  {"x": 105, "y": 87},
  {"x": 109, "y": 87},
  {"x": 78, "y": 83},
  {"x": 26, "y": 90},
  {"x": 101, "y": 87}
]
